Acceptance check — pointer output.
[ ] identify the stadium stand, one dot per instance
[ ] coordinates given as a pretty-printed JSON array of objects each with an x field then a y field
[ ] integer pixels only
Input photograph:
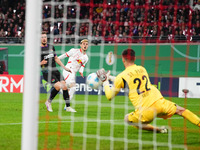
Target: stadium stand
[{"x": 118, "y": 21}]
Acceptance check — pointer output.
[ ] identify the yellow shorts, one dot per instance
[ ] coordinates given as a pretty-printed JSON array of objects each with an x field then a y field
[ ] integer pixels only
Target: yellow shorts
[{"x": 162, "y": 108}]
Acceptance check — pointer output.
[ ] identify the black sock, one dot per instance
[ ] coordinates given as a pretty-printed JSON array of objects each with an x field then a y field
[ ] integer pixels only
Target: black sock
[
  {"x": 66, "y": 97},
  {"x": 54, "y": 92}
]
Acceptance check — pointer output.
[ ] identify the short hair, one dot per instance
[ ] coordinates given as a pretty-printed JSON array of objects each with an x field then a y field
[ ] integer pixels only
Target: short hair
[
  {"x": 84, "y": 40},
  {"x": 129, "y": 54},
  {"x": 44, "y": 32}
]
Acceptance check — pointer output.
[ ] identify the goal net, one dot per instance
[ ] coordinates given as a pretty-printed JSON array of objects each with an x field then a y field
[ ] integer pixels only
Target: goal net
[{"x": 99, "y": 123}]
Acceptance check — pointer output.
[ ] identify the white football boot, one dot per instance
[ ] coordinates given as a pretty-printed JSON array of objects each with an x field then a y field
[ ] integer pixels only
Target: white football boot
[
  {"x": 69, "y": 109},
  {"x": 48, "y": 105}
]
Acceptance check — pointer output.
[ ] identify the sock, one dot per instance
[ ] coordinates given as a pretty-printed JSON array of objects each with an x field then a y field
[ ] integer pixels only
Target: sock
[
  {"x": 66, "y": 97},
  {"x": 191, "y": 117},
  {"x": 54, "y": 92},
  {"x": 147, "y": 127},
  {"x": 72, "y": 91}
]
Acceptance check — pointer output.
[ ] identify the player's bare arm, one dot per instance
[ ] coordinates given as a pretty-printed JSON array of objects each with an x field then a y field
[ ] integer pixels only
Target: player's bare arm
[
  {"x": 58, "y": 61},
  {"x": 81, "y": 74}
]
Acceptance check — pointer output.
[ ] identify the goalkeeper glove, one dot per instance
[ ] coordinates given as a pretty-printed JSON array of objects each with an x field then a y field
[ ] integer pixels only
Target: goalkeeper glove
[{"x": 103, "y": 76}]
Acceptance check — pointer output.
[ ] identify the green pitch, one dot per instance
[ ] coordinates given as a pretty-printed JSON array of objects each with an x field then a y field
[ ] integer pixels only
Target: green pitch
[{"x": 97, "y": 124}]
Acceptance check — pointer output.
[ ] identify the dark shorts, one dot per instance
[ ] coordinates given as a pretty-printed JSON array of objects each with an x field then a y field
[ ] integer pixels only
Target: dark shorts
[{"x": 53, "y": 77}]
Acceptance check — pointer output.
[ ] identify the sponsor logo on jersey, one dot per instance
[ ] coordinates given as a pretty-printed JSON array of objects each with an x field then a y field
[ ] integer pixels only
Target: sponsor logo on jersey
[
  {"x": 48, "y": 56},
  {"x": 79, "y": 61},
  {"x": 53, "y": 80}
]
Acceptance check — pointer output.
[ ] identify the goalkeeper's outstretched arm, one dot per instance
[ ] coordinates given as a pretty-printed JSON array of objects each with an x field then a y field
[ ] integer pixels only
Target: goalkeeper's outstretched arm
[
  {"x": 110, "y": 92},
  {"x": 111, "y": 78}
]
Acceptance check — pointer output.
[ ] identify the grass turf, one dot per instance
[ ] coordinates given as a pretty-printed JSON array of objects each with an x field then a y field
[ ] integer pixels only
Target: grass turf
[{"x": 97, "y": 124}]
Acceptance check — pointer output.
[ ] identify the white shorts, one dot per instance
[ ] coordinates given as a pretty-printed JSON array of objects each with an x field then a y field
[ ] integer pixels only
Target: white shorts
[{"x": 69, "y": 77}]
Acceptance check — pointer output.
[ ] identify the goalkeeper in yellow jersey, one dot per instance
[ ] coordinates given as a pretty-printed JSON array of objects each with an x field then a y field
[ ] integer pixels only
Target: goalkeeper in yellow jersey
[{"x": 146, "y": 98}]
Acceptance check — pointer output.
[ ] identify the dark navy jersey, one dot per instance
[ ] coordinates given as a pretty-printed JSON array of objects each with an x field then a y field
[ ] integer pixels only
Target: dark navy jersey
[{"x": 48, "y": 53}]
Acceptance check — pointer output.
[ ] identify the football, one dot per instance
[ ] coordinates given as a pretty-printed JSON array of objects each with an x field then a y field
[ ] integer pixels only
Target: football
[{"x": 93, "y": 81}]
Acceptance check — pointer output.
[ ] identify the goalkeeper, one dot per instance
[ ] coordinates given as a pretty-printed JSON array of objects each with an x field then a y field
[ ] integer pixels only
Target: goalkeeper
[{"x": 146, "y": 98}]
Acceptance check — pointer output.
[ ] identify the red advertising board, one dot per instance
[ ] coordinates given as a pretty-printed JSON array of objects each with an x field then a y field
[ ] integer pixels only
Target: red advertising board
[{"x": 12, "y": 83}]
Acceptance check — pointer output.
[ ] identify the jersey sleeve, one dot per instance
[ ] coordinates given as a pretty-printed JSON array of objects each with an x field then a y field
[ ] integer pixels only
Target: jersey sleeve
[
  {"x": 67, "y": 54},
  {"x": 70, "y": 52},
  {"x": 118, "y": 82},
  {"x": 54, "y": 51},
  {"x": 83, "y": 65},
  {"x": 111, "y": 92}
]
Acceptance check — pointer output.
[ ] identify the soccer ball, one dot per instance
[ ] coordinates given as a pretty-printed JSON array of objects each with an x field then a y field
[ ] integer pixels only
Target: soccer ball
[{"x": 93, "y": 81}]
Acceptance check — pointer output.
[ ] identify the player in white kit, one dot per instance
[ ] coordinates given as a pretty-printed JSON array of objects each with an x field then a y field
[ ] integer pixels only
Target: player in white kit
[{"x": 76, "y": 63}]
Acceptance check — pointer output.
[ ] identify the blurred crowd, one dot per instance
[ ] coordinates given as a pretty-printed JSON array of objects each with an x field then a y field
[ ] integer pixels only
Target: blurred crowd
[
  {"x": 12, "y": 21},
  {"x": 115, "y": 21}
]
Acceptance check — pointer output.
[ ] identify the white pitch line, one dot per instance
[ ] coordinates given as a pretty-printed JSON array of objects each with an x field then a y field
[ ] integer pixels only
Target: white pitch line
[
  {"x": 93, "y": 120},
  {"x": 184, "y": 55}
]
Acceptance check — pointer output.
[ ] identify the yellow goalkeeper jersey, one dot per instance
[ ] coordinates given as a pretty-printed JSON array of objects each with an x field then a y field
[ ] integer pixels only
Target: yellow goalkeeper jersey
[{"x": 140, "y": 91}]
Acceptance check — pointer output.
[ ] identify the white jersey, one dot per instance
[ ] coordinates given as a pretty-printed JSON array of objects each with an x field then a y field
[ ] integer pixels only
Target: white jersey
[{"x": 77, "y": 60}]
